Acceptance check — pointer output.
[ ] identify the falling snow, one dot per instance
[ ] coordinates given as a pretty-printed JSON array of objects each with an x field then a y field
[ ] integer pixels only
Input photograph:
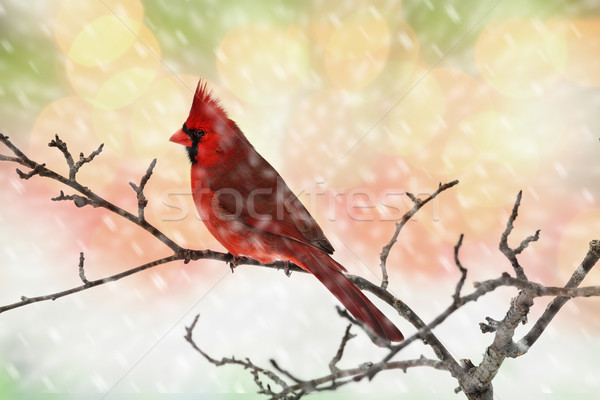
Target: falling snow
[{"x": 341, "y": 97}]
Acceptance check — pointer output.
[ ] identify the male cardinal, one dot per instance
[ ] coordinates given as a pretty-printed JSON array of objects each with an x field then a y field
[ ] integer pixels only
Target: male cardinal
[{"x": 250, "y": 210}]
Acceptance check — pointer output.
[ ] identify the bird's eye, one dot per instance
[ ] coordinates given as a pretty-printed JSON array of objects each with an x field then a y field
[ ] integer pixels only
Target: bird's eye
[
  {"x": 199, "y": 133},
  {"x": 194, "y": 134}
]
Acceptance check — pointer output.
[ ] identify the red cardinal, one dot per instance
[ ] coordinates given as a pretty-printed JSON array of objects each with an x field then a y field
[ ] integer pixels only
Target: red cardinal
[{"x": 250, "y": 210}]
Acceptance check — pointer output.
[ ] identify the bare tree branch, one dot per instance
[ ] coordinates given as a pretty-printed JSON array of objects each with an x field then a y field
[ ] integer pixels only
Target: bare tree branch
[
  {"x": 474, "y": 381},
  {"x": 53, "y": 296},
  {"x": 477, "y": 384},
  {"x": 337, "y": 378},
  {"x": 42, "y": 170},
  {"x": 424, "y": 331},
  {"x": 247, "y": 364},
  {"x": 536, "y": 289},
  {"x": 183, "y": 255},
  {"x": 591, "y": 258}
]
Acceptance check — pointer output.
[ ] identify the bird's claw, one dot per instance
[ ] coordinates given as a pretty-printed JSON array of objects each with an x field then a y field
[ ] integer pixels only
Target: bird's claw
[
  {"x": 286, "y": 268},
  {"x": 234, "y": 262}
]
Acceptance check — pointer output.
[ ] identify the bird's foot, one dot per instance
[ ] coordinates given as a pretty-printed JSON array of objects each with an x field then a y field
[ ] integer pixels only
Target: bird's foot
[
  {"x": 286, "y": 268},
  {"x": 235, "y": 261}
]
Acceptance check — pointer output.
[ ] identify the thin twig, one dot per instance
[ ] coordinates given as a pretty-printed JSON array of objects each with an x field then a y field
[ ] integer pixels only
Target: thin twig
[
  {"x": 139, "y": 190},
  {"x": 417, "y": 204},
  {"x": 491, "y": 325},
  {"x": 529, "y": 239},
  {"x": 84, "y": 160},
  {"x": 73, "y": 166},
  {"x": 82, "y": 271},
  {"x": 37, "y": 170},
  {"x": 183, "y": 255},
  {"x": 92, "y": 198},
  {"x": 463, "y": 270},
  {"x": 79, "y": 201},
  {"x": 344, "y": 376},
  {"x": 247, "y": 363},
  {"x": 53, "y": 296},
  {"x": 506, "y": 249},
  {"x": 340, "y": 352},
  {"x": 378, "y": 340},
  {"x": 306, "y": 385},
  {"x": 62, "y": 146}
]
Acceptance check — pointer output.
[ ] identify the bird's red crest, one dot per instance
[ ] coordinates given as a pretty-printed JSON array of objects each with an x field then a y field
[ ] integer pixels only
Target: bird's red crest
[{"x": 206, "y": 109}]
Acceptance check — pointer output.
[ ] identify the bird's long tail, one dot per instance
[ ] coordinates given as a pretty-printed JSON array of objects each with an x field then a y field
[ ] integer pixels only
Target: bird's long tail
[{"x": 329, "y": 272}]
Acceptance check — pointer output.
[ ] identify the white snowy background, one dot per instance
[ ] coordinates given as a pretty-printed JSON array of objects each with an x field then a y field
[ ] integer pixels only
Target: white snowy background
[{"x": 354, "y": 103}]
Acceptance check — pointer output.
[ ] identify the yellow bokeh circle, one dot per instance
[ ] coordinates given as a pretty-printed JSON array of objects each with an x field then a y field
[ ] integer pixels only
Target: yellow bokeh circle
[
  {"x": 521, "y": 58},
  {"x": 583, "y": 43},
  {"x": 449, "y": 216},
  {"x": 328, "y": 16},
  {"x": 111, "y": 127},
  {"x": 465, "y": 123},
  {"x": 535, "y": 122},
  {"x": 461, "y": 147},
  {"x": 357, "y": 51},
  {"x": 491, "y": 182},
  {"x": 406, "y": 119},
  {"x": 122, "y": 80},
  {"x": 92, "y": 32},
  {"x": 103, "y": 40},
  {"x": 263, "y": 65}
]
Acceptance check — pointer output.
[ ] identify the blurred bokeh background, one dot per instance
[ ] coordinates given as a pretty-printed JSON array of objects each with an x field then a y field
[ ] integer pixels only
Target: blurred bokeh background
[{"x": 355, "y": 103}]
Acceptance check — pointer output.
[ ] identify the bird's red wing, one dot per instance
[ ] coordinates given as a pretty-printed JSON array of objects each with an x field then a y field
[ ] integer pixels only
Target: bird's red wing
[
  {"x": 289, "y": 218},
  {"x": 262, "y": 200}
]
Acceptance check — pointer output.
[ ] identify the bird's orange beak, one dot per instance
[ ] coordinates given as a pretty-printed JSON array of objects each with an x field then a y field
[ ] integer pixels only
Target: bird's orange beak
[{"x": 180, "y": 137}]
